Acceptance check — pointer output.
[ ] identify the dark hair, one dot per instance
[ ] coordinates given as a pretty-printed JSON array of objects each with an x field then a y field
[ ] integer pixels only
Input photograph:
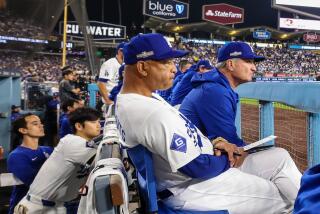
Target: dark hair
[
  {"x": 81, "y": 115},
  {"x": 19, "y": 123},
  {"x": 68, "y": 103},
  {"x": 183, "y": 63},
  {"x": 66, "y": 70}
]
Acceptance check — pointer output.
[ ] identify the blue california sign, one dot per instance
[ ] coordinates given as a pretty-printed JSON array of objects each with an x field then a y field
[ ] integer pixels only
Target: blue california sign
[
  {"x": 261, "y": 34},
  {"x": 166, "y": 9}
]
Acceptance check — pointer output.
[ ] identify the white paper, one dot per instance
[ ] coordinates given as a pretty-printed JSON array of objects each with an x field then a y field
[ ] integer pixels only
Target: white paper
[{"x": 260, "y": 142}]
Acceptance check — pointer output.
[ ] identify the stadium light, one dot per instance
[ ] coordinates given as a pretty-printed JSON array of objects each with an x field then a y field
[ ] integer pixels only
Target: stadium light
[
  {"x": 177, "y": 28},
  {"x": 283, "y": 36},
  {"x": 232, "y": 33}
]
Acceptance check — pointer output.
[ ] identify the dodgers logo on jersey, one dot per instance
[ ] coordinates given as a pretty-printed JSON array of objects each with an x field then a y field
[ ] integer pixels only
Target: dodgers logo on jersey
[
  {"x": 179, "y": 8},
  {"x": 178, "y": 143}
]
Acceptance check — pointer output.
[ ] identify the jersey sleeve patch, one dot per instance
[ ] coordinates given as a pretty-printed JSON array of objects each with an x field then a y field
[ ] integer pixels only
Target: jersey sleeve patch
[{"x": 178, "y": 143}]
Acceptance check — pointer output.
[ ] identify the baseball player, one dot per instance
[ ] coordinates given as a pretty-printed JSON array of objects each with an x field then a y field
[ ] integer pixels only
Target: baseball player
[
  {"x": 191, "y": 174},
  {"x": 61, "y": 176},
  {"x": 184, "y": 86},
  {"x": 26, "y": 160},
  {"x": 109, "y": 76}
]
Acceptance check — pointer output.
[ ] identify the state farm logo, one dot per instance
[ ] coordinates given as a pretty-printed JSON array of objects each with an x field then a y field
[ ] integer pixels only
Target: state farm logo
[
  {"x": 166, "y": 9},
  {"x": 222, "y": 14}
]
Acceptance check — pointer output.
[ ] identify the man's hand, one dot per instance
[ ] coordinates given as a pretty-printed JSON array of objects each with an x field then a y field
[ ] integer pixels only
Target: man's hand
[
  {"x": 222, "y": 145},
  {"x": 239, "y": 159}
]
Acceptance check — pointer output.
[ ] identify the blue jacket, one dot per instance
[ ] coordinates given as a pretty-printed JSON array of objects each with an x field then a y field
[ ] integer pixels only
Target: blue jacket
[
  {"x": 212, "y": 106},
  {"x": 64, "y": 125},
  {"x": 183, "y": 87},
  {"x": 308, "y": 199},
  {"x": 25, "y": 163}
]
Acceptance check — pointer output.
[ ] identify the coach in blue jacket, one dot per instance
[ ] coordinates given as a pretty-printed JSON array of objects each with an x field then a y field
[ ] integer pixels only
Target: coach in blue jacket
[
  {"x": 212, "y": 104},
  {"x": 212, "y": 107}
]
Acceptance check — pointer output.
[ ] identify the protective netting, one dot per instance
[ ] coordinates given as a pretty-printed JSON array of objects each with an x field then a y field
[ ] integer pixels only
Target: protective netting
[{"x": 291, "y": 127}]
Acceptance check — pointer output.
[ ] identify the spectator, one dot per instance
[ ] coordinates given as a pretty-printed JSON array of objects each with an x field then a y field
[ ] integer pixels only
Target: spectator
[
  {"x": 66, "y": 89},
  {"x": 25, "y": 161}
]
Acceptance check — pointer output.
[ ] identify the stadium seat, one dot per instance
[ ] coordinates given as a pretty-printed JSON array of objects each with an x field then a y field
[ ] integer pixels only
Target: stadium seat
[{"x": 142, "y": 159}]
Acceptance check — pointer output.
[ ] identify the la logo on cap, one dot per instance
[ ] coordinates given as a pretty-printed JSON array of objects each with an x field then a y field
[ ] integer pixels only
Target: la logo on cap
[
  {"x": 236, "y": 53},
  {"x": 145, "y": 54}
]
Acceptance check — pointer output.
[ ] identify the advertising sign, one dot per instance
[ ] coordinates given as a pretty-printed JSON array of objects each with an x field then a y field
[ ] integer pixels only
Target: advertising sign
[
  {"x": 98, "y": 30},
  {"x": 304, "y": 3},
  {"x": 303, "y": 24},
  {"x": 311, "y": 37},
  {"x": 166, "y": 9},
  {"x": 261, "y": 34},
  {"x": 223, "y": 14}
]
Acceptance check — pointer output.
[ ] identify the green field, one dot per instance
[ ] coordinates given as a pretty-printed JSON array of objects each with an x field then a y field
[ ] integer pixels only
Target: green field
[{"x": 276, "y": 104}]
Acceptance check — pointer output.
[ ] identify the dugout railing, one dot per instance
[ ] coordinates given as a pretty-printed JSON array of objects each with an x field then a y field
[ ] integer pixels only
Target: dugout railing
[{"x": 295, "y": 96}]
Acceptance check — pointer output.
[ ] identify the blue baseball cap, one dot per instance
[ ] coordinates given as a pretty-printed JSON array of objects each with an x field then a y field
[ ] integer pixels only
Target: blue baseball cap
[
  {"x": 152, "y": 46},
  {"x": 203, "y": 63},
  {"x": 237, "y": 50},
  {"x": 120, "y": 45}
]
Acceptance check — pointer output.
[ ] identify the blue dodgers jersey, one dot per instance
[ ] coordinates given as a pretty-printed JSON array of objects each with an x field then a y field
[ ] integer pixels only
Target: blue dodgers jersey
[
  {"x": 65, "y": 127},
  {"x": 25, "y": 163}
]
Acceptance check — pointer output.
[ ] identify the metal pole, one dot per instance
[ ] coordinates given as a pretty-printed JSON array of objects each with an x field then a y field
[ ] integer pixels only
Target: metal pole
[
  {"x": 64, "y": 52},
  {"x": 102, "y": 10},
  {"x": 120, "y": 14}
]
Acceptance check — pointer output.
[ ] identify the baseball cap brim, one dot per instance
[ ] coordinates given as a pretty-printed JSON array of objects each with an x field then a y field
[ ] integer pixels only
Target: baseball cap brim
[
  {"x": 256, "y": 58},
  {"x": 259, "y": 58}
]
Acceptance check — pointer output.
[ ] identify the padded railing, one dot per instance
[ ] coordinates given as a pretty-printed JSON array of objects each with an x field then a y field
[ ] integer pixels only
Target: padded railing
[{"x": 303, "y": 96}]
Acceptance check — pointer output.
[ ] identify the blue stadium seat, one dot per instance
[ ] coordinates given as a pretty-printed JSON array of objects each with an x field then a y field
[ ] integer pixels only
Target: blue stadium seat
[{"x": 142, "y": 159}]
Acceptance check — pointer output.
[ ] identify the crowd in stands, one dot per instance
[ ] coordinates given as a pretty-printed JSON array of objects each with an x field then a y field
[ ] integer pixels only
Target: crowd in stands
[
  {"x": 11, "y": 25},
  {"x": 40, "y": 68},
  {"x": 278, "y": 59}
]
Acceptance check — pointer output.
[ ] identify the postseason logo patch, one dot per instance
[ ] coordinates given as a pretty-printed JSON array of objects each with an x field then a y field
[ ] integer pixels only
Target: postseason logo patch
[{"x": 178, "y": 143}]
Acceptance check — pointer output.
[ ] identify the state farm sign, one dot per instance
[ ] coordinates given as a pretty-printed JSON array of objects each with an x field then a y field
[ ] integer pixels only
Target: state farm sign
[
  {"x": 311, "y": 37},
  {"x": 222, "y": 14}
]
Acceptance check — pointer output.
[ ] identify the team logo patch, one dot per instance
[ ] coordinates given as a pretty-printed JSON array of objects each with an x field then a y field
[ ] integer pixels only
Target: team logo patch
[
  {"x": 179, "y": 8},
  {"x": 90, "y": 144},
  {"x": 178, "y": 143}
]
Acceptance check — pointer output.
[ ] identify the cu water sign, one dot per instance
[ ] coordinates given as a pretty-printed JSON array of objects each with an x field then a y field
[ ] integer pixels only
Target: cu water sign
[
  {"x": 261, "y": 34},
  {"x": 166, "y": 9}
]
